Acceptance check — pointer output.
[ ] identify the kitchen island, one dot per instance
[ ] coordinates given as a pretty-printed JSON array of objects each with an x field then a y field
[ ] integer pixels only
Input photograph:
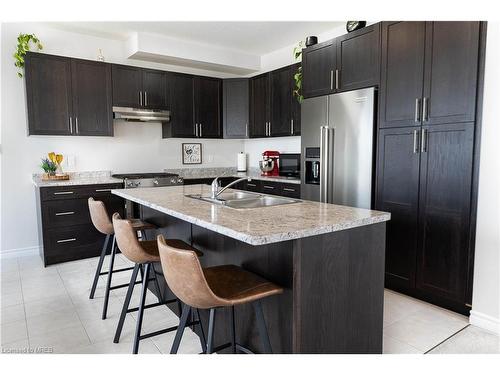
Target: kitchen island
[{"x": 328, "y": 258}]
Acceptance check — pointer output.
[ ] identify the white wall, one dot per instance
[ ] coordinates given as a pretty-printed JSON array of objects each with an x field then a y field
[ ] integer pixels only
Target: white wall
[
  {"x": 135, "y": 147},
  {"x": 486, "y": 293}
]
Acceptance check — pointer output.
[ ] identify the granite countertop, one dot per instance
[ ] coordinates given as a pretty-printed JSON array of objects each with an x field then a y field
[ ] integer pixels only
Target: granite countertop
[
  {"x": 254, "y": 173},
  {"x": 255, "y": 226},
  {"x": 78, "y": 178}
]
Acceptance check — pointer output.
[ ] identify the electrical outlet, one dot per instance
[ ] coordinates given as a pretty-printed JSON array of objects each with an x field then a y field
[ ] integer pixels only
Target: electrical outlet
[
  {"x": 68, "y": 162},
  {"x": 210, "y": 158}
]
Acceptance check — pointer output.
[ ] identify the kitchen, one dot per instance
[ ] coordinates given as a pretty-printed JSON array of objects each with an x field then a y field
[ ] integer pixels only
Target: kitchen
[{"x": 367, "y": 134}]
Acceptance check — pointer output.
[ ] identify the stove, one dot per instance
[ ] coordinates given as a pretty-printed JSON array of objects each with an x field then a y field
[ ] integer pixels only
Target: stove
[{"x": 143, "y": 180}]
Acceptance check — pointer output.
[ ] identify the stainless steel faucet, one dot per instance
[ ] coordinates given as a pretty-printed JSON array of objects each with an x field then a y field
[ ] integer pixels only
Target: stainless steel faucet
[{"x": 216, "y": 190}]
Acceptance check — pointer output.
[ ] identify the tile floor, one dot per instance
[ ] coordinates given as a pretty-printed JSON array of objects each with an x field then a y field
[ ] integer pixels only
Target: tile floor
[{"x": 48, "y": 310}]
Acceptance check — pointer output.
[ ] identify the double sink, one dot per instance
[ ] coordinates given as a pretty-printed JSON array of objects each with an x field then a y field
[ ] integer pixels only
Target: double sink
[{"x": 243, "y": 199}]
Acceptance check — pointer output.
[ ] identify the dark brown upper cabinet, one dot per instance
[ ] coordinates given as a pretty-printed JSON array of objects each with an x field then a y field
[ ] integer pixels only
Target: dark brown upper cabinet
[
  {"x": 259, "y": 106},
  {"x": 92, "y": 109},
  {"x": 358, "y": 59},
  {"x": 48, "y": 93},
  {"x": 195, "y": 107},
  {"x": 450, "y": 80},
  {"x": 275, "y": 112},
  {"x": 139, "y": 88},
  {"x": 68, "y": 96},
  {"x": 182, "y": 124},
  {"x": 236, "y": 108},
  {"x": 429, "y": 73},
  {"x": 207, "y": 104},
  {"x": 318, "y": 69},
  {"x": 349, "y": 62}
]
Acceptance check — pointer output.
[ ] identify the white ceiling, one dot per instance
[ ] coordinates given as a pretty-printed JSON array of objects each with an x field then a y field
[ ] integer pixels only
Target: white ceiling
[{"x": 252, "y": 37}]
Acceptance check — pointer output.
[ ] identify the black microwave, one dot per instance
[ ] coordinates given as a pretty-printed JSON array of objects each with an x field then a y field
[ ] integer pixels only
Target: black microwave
[{"x": 289, "y": 165}]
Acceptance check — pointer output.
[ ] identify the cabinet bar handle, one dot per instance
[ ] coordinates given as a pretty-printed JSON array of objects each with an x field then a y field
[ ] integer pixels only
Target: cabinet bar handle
[
  {"x": 246, "y": 129},
  {"x": 415, "y": 142},
  {"x": 423, "y": 146},
  {"x": 336, "y": 79},
  {"x": 146, "y": 98},
  {"x": 268, "y": 187},
  {"x": 67, "y": 240},
  {"x": 291, "y": 126},
  {"x": 101, "y": 190},
  {"x": 331, "y": 79},
  {"x": 417, "y": 110},
  {"x": 76, "y": 125},
  {"x": 63, "y": 192},
  {"x": 201, "y": 129},
  {"x": 252, "y": 185},
  {"x": 70, "y": 125},
  {"x": 425, "y": 115},
  {"x": 289, "y": 189},
  {"x": 65, "y": 213},
  {"x": 140, "y": 98},
  {"x": 269, "y": 128}
]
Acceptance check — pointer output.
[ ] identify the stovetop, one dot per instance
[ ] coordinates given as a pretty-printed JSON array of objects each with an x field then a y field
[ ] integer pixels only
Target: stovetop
[{"x": 132, "y": 176}]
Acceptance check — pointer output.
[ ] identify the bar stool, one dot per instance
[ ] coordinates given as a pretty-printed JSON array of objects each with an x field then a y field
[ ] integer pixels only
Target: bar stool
[
  {"x": 145, "y": 253},
  {"x": 212, "y": 288},
  {"x": 103, "y": 224}
]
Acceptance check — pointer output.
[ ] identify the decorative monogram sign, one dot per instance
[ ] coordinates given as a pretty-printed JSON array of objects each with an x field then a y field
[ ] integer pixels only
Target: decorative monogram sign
[{"x": 191, "y": 153}]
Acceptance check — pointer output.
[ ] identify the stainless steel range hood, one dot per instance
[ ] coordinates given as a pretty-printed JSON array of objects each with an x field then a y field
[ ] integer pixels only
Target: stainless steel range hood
[{"x": 141, "y": 115}]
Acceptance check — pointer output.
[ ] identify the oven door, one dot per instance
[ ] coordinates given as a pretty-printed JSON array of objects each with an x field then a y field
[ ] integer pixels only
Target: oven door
[{"x": 289, "y": 165}]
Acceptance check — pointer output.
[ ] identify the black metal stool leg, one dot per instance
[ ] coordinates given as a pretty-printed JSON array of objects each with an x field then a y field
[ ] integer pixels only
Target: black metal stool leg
[
  {"x": 110, "y": 275},
  {"x": 99, "y": 266},
  {"x": 140, "y": 313},
  {"x": 202, "y": 334},
  {"x": 180, "y": 329},
  {"x": 126, "y": 303},
  {"x": 261, "y": 326},
  {"x": 233, "y": 331},
  {"x": 157, "y": 284},
  {"x": 211, "y": 327}
]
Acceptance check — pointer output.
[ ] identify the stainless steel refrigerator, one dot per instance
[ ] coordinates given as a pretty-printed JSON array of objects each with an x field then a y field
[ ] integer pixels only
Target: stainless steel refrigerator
[{"x": 337, "y": 148}]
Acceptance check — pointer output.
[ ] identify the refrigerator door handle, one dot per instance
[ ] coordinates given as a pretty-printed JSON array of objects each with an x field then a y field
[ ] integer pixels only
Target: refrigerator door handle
[
  {"x": 325, "y": 164},
  {"x": 321, "y": 163}
]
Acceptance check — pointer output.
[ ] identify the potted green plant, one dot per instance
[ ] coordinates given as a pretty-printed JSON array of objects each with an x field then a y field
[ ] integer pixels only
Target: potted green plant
[
  {"x": 23, "y": 46},
  {"x": 297, "y": 77},
  {"x": 48, "y": 167}
]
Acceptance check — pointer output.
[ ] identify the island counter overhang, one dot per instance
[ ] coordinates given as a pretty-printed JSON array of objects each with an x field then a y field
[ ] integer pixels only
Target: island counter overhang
[{"x": 329, "y": 259}]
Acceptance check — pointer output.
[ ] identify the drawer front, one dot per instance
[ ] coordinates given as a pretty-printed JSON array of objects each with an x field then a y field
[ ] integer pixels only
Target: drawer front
[
  {"x": 71, "y": 243},
  {"x": 270, "y": 187},
  {"x": 253, "y": 185},
  {"x": 75, "y": 192},
  {"x": 68, "y": 212},
  {"x": 290, "y": 190}
]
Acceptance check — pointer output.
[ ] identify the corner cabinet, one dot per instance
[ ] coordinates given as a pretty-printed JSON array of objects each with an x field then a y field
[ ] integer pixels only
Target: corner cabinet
[
  {"x": 68, "y": 96},
  {"x": 349, "y": 62},
  {"x": 425, "y": 172}
]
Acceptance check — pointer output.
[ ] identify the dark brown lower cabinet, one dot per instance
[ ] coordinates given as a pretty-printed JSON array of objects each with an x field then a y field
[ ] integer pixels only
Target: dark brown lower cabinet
[
  {"x": 424, "y": 178},
  {"x": 65, "y": 229}
]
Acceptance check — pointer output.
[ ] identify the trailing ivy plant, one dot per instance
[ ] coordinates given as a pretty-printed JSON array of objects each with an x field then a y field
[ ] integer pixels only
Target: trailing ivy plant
[
  {"x": 23, "y": 46},
  {"x": 297, "y": 77}
]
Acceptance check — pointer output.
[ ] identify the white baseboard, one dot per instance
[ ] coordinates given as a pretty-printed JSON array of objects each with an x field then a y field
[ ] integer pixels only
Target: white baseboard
[
  {"x": 484, "y": 321},
  {"x": 21, "y": 252}
]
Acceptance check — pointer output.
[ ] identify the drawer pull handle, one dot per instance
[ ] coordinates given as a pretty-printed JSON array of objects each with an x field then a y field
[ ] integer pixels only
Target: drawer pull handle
[
  {"x": 252, "y": 185},
  {"x": 101, "y": 190},
  {"x": 63, "y": 192},
  {"x": 65, "y": 213},
  {"x": 268, "y": 187},
  {"x": 67, "y": 240},
  {"x": 289, "y": 189}
]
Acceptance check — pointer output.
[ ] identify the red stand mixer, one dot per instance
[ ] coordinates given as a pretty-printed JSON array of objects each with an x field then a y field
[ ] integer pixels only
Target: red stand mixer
[{"x": 269, "y": 165}]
